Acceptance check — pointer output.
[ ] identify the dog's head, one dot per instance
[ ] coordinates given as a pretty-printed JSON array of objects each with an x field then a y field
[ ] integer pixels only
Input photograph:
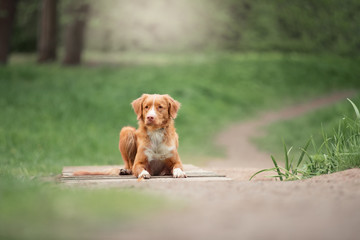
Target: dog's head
[{"x": 155, "y": 110}]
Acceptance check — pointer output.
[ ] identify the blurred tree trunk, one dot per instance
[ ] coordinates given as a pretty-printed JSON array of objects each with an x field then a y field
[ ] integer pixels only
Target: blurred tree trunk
[
  {"x": 7, "y": 15},
  {"x": 74, "y": 38},
  {"x": 48, "y": 27}
]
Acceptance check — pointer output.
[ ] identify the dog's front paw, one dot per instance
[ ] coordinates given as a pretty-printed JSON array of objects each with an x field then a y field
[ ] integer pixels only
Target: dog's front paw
[
  {"x": 144, "y": 174},
  {"x": 178, "y": 173}
]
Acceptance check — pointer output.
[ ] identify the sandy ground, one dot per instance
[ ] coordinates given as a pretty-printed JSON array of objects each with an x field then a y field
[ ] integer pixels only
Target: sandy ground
[
  {"x": 324, "y": 207},
  {"x": 319, "y": 208}
]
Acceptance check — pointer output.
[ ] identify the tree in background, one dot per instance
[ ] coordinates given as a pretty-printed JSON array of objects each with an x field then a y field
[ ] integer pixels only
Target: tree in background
[
  {"x": 48, "y": 28},
  {"x": 74, "y": 37},
  {"x": 7, "y": 14},
  {"x": 24, "y": 35}
]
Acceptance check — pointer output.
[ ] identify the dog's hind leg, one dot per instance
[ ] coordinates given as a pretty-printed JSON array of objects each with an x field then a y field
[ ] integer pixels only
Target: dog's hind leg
[{"x": 128, "y": 149}]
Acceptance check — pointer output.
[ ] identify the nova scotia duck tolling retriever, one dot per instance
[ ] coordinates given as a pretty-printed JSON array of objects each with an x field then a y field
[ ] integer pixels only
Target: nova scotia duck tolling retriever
[{"x": 151, "y": 149}]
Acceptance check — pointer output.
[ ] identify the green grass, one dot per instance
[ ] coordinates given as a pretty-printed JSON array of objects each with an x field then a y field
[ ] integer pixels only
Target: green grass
[
  {"x": 58, "y": 116},
  {"x": 338, "y": 149},
  {"x": 295, "y": 132},
  {"x": 37, "y": 210},
  {"x": 53, "y": 116}
]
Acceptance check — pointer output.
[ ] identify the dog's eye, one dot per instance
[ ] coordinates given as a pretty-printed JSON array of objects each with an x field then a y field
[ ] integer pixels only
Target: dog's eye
[
  {"x": 160, "y": 107},
  {"x": 146, "y": 107}
]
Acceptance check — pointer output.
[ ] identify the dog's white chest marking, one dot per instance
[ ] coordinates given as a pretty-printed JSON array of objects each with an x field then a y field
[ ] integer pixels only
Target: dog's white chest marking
[{"x": 158, "y": 150}]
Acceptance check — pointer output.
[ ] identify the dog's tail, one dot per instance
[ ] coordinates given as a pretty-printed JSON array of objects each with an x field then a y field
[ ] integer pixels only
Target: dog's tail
[{"x": 112, "y": 172}]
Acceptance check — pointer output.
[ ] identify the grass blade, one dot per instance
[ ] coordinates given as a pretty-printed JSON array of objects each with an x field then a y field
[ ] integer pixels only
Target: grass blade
[
  {"x": 326, "y": 140},
  {"x": 291, "y": 160},
  {"x": 355, "y": 109},
  {"x": 286, "y": 156},
  {"x": 273, "y": 176},
  {"x": 303, "y": 152},
  {"x": 277, "y": 167},
  {"x": 264, "y": 170}
]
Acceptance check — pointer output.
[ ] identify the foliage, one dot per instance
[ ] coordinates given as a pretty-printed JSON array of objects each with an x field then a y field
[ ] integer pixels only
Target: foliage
[
  {"x": 297, "y": 25},
  {"x": 291, "y": 170},
  {"x": 240, "y": 25},
  {"x": 25, "y": 28},
  {"x": 341, "y": 150},
  {"x": 297, "y": 129},
  {"x": 338, "y": 152},
  {"x": 325, "y": 25}
]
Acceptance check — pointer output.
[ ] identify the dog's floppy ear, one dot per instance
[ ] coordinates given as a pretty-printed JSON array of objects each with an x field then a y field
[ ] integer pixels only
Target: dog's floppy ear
[
  {"x": 137, "y": 105},
  {"x": 173, "y": 106}
]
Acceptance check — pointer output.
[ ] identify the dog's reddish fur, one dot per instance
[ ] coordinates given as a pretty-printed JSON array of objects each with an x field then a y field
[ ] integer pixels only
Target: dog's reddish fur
[{"x": 134, "y": 143}]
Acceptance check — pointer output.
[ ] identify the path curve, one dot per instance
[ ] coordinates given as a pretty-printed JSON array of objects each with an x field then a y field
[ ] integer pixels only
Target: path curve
[
  {"x": 318, "y": 208},
  {"x": 241, "y": 152}
]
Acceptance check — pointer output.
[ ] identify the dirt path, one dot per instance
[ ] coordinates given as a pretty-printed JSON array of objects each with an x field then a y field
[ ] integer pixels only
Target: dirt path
[
  {"x": 321, "y": 208},
  {"x": 236, "y": 139},
  {"x": 324, "y": 207}
]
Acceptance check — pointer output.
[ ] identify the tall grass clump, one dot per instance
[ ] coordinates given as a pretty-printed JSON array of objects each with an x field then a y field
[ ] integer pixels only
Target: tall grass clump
[{"x": 338, "y": 151}]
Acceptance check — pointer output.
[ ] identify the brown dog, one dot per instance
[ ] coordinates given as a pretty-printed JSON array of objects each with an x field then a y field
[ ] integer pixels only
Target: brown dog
[{"x": 152, "y": 148}]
